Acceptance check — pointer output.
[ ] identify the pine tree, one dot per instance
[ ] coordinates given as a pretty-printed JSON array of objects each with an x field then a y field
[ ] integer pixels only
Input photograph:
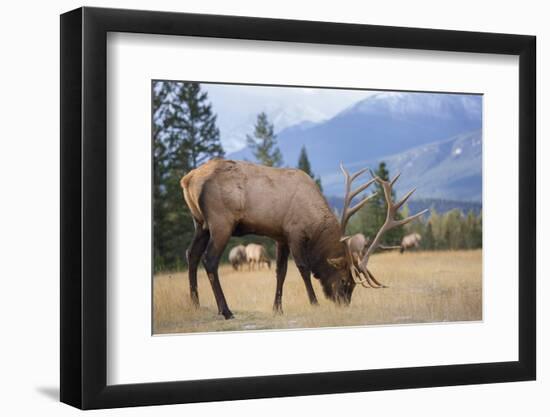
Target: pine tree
[
  {"x": 472, "y": 231},
  {"x": 263, "y": 143},
  {"x": 413, "y": 227},
  {"x": 305, "y": 165},
  {"x": 303, "y": 162},
  {"x": 373, "y": 214},
  {"x": 428, "y": 241},
  {"x": 453, "y": 221},
  {"x": 478, "y": 232},
  {"x": 436, "y": 224},
  {"x": 196, "y": 136},
  {"x": 185, "y": 135},
  {"x": 406, "y": 212},
  {"x": 163, "y": 111}
]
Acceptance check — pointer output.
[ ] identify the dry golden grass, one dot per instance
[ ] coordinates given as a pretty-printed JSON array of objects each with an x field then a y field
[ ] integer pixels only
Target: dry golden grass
[{"x": 423, "y": 287}]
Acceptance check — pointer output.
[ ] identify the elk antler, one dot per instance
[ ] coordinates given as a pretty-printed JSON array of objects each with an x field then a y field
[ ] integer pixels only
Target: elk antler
[
  {"x": 350, "y": 195},
  {"x": 390, "y": 221},
  {"x": 347, "y": 212}
]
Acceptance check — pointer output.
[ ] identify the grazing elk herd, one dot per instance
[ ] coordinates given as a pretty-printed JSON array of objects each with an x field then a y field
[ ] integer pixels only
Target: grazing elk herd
[
  {"x": 253, "y": 255},
  {"x": 235, "y": 198}
]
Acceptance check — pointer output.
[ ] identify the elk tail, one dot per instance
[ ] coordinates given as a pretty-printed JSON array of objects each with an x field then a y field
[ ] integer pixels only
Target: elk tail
[{"x": 184, "y": 182}]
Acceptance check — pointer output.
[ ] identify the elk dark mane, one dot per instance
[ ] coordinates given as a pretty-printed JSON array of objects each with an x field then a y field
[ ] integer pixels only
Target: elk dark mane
[{"x": 325, "y": 244}]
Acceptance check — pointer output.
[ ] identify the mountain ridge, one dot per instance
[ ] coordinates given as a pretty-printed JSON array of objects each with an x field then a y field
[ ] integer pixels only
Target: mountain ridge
[
  {"x": 450, "y": 169},
  {"x": 399, "y": 128}
]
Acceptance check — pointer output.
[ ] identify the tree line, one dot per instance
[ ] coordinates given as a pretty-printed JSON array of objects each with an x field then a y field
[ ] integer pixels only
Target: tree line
[
  {"x": 184, "y": 136},
  {"x": 451, "y": 230}
]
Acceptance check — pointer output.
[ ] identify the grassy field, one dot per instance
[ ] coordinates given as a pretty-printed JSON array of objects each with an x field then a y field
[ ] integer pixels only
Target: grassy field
[{"x": 423, "y": 287}]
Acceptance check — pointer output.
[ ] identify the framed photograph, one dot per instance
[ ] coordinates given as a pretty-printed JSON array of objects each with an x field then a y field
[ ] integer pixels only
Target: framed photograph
[{"x": 256, "y": 208}]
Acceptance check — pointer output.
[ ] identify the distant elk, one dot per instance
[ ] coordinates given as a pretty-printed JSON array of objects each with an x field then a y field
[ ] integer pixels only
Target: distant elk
[
  {"x": 256, "y": 255},
  {"x": 237, "y": 256},
  {"x": 358, "y": 245},
  {"x": 234, "y": 198},
  {"x": 410, "y": 241}
]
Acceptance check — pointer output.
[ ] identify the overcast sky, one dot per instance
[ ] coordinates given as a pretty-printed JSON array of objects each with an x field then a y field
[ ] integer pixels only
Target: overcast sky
[{"x": 238, "y": 105}]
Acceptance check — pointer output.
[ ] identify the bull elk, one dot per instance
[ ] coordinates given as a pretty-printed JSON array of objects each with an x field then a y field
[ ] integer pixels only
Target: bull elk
[{"x": 234, "y": 198}]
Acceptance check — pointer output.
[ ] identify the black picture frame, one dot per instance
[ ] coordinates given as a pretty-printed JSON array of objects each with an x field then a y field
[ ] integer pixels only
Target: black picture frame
[{"x": 84, "y": 207}]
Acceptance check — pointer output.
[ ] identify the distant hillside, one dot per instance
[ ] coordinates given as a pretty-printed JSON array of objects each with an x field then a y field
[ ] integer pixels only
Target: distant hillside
[
  {"x": 417, "y": 205},
  {"x": 435, "y": 139},
  {"x": 449, "y": 169},
  {"x": 382, "y": 124}
]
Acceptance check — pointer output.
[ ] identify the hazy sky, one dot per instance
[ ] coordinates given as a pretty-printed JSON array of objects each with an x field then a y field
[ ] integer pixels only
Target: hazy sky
[{"x": 238, "y": 105}]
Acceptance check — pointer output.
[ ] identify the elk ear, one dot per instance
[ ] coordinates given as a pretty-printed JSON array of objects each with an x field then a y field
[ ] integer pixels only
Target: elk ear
[{"x": 338, "y": 263}]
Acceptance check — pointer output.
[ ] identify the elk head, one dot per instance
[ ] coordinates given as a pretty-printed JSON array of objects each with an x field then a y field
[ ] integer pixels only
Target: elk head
[{"x": 357, "y": 263}]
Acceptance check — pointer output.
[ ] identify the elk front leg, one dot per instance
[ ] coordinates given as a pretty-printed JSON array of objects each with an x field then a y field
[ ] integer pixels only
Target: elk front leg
[
  {"x": 194, "y": 253},
  {"x": 305, "y": 272},
  {"x": 306, "y": 276},
  {"x": 281, "y": 268},
  {"x": 219, "y": 237}
]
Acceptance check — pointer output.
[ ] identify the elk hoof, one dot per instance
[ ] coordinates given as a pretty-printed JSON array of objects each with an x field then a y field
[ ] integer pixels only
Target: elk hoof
[
  {"x": 228, "y": 315},
  {"x": 277, "y": 310}
]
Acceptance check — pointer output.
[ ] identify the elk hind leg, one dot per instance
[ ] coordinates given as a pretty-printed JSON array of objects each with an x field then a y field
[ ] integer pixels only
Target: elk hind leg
[
  {"x": 193, "y": 254},
  {"x": 219, "y": 236},
  {"x": 281, "y": 268}
]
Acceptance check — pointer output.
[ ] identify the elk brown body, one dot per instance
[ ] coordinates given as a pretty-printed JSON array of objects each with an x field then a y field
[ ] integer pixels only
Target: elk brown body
[{"x": 234, "y": 198}]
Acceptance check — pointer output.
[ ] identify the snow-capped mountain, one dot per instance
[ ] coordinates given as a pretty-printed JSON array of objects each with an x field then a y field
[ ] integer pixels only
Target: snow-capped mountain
[{"x": 430, "y": 132}]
